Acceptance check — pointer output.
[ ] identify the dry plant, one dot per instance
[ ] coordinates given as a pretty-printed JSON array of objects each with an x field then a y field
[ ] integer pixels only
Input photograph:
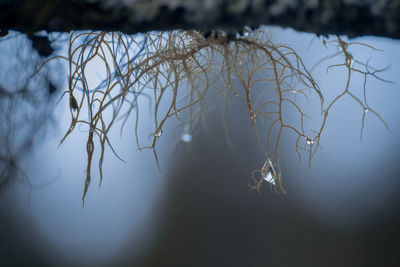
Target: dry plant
[{"x": 178, "y": 68}]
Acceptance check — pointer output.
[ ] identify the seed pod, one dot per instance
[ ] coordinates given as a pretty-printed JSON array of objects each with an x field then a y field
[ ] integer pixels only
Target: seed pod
[{"x": 72, "y": 102}]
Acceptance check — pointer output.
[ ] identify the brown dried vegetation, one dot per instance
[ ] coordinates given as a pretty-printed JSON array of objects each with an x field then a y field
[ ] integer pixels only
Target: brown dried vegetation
[{"x": 180, "y": 67}]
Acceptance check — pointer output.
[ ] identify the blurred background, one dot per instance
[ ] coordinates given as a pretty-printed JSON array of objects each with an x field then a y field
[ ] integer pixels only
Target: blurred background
[{"x": 199, "y": 210}]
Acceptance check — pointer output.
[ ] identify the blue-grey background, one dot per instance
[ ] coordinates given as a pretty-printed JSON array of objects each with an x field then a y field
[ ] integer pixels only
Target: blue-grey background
[{"x": 199, "y": 210}]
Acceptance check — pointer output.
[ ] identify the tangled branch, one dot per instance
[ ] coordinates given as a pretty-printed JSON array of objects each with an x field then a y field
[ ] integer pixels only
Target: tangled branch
[{"x": 180, "y": 67}]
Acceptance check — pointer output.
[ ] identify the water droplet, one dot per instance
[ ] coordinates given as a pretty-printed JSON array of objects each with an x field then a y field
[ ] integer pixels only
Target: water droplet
[
  {"x": 158, "y": 133},
  {"x": 269, "y": 178},
  {"x": 366, "y": 110},
  {"x": 253, "y": 116},
  {"x": 350, "y": 60},
  {"x": 268, "y": 172},
  {"x": 186, "y": 137},
  {"x": 309, "y": 141}
]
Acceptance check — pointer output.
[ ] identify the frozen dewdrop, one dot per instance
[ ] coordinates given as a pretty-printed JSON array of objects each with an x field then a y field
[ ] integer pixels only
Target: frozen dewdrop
[
  {"x": 268, "y": 172},
  {"x": 309, "y": 141},
  {"x": 350, "y": 60},
  {"x": 269, "y": 178},
  {"x": 158, "y": 133},
  {"x": 186, "y": 137}
]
